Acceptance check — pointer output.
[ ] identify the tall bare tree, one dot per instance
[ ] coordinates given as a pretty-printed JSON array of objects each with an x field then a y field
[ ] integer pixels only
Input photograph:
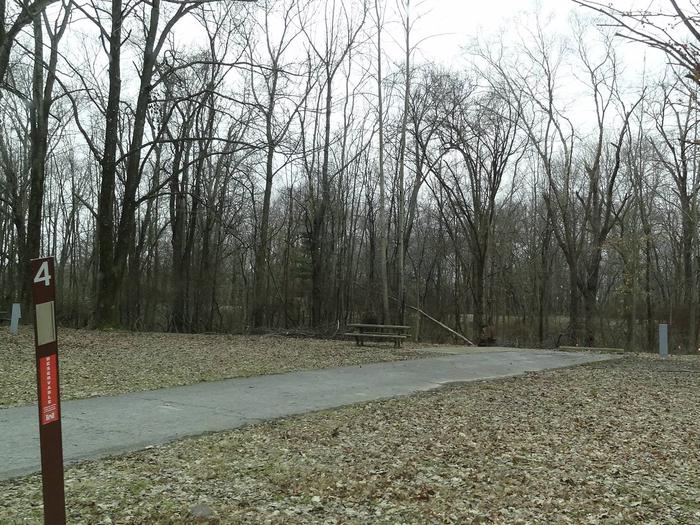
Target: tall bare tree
[
  {"x": 478, "y": 136},
  {"x": 383, "y": 227},
  {"x": 343, "y": 27},
  {"x": 278, "y": 106},
  {"x": 676, "y": 147},
  {"x": 43, "y": 82}
]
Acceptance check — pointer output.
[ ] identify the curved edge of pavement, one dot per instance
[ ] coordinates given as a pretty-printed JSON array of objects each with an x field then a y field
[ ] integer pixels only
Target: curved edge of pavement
[{"x": 107, "y": 426}]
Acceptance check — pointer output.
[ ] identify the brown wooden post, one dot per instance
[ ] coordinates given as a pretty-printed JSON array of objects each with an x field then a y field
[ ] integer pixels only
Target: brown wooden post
[{"x": 44, "y": 294}]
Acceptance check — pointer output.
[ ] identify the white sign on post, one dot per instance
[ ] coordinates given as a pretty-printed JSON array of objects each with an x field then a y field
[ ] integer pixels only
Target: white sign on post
[
  {"x": 45, "y": 327},
  {"x": 15, "y": 317},
  {"x": 663, "y": 341}
]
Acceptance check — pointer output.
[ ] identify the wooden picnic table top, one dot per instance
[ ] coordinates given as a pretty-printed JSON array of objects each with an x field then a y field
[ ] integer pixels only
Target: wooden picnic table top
[{"x": 391, "y": 326}]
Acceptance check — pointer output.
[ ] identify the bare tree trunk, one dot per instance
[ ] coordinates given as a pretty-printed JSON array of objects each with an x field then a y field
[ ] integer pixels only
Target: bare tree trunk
[
  {"x": 689, "y": 284},
  {"x": 383, "y": 225},
  {"x": 574, "y": 316},
  {"x": 401, "y": 219},
  {"x": 106, "y": 286},
  {"x": 42, "y": 100},
  {"x": 319, "y": 246},
  {"x": 39, "y": 136},
  {"x": 262, "y": 251},
  {"x": 178, "y": 220},
  {"x": 126, "y": 230},
  {"x": 545, "y": 278},
  {"x": 590, "y": 305},
  {"x": 479, "y": 297}
]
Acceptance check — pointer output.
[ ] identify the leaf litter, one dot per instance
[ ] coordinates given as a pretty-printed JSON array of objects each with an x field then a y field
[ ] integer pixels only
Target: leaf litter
[
  {"x": 612, "y": 442},
  {"x": 100, "y": 363}
]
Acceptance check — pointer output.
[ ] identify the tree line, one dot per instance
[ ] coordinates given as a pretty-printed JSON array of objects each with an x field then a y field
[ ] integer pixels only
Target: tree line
[{"x": 294, "y": 164}]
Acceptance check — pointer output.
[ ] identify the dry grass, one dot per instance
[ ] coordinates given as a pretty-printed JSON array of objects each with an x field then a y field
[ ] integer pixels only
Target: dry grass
[
  {"x": 613, "y": 442},
  {"x": 103, "y": 363}
]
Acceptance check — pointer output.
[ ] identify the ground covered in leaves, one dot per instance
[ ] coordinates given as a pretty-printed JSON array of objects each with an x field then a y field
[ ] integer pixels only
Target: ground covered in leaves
[
  {"x": 94, "y": 363},
  {"x": 612, "y": 442}
]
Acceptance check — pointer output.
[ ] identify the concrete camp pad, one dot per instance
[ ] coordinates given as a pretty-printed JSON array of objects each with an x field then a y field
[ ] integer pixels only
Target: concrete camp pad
[{"x": 111, "y": 425}]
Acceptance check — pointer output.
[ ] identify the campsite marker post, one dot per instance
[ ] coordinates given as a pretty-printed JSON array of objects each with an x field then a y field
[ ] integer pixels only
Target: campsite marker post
[{"x": 44, "y": 295}]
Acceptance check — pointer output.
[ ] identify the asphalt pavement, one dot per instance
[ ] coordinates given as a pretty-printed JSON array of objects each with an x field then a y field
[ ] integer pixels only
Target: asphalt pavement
[{"x": 104, "y": 426}]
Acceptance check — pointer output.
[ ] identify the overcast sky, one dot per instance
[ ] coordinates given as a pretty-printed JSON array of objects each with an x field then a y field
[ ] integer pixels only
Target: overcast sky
[
  {"x": 459, "y": 21},
  {"x": 456, "y": 23}
]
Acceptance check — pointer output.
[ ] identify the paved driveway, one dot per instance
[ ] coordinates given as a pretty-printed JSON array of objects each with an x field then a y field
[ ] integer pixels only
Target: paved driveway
[{"x": 110, "y": 425}]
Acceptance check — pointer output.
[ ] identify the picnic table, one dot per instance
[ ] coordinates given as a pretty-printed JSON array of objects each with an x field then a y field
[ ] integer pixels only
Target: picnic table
[{"x": 362, "y": 331}]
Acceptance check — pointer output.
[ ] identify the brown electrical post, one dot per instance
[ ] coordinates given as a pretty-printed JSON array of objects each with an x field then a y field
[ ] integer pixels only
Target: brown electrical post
[{"x": 44, "y": 294}]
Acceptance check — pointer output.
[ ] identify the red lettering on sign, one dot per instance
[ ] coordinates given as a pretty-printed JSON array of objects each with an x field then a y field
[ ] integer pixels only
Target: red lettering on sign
[{"x": 48, "y": 382}]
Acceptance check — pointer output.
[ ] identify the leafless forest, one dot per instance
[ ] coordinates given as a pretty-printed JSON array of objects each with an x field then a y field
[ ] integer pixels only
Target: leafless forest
[{"x": 295, "y": 164}]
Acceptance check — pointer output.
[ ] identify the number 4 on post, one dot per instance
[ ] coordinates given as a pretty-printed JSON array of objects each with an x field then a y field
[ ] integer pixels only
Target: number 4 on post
[{"x": 43, "y": 275}]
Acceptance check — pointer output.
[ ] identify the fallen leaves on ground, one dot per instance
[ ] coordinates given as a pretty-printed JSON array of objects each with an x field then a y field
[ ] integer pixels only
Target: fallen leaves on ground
[
  {"x": 94, "y": 363},
  {"x": 613, "y": 442}
]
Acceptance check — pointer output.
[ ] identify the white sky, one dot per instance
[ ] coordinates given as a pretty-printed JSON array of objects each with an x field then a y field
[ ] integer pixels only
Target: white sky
[
  {"x": 445, "y": 27},
  {"x": 456, "y": 22},
  {"x": 460, "y": 21}
]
